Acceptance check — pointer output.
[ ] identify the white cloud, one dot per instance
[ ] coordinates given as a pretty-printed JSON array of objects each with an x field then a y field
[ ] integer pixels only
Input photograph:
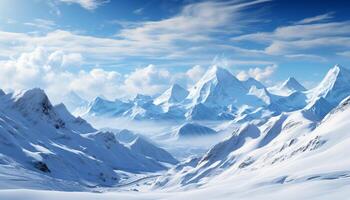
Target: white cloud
[
  {"x": 87, "y": 4},
  {"x": 188, "y": 35},
  {"x": 149, "y": 80},
  {"x": 196, "y": 73},
  {"x": 49, "y": 70},
  {"x": 318, "y": 18},
  {"x": 194, "y": 23},
  {"x": 62, "y": 59},
  {"x": 260, "y": 74},
  {"x": 306, "y": 57},
  {"x": 299, "y": 38}
]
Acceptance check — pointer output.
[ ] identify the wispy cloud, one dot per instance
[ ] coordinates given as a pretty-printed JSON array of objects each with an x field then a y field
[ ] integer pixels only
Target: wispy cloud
[
  {"x": 196, "y": 22},
  {"x": 138, "y": 11},
  {"x": 42, "y": 24},
  {"x": 298, "y": 39},
  {"x": 192, "y": 32},
  {"x": 344, "y": 53},
  {"x": 261, "y": 74},
  {"x": 87, "y": 4},
  {"x": 318, "y": 18}
]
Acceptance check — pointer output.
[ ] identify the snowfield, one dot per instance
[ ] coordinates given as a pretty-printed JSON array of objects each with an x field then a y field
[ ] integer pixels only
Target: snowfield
[{"x": 222, "y": 139}]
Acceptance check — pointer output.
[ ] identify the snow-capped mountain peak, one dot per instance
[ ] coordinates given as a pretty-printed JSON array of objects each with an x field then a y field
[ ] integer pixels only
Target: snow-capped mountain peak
[
  {"x": 174, "y": 94},
  {"x": 219, "y": 88},
  {"x": 33, "y": 100},
  {"x": 335, "y": 86},
  {"x": 288, "y": 87},
  {"x": 292, "y": 84}
]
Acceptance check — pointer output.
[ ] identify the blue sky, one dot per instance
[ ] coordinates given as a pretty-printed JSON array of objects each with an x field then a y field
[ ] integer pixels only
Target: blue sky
[{"x": 118, "y": 48}]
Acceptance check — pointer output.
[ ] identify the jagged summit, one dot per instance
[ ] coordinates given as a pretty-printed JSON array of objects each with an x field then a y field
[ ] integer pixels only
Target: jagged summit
[{"x": 218, "y": 74}]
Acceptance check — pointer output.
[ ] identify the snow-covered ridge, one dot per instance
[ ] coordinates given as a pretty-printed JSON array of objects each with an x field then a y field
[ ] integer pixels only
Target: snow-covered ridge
[{"x": 45, "y": 139}]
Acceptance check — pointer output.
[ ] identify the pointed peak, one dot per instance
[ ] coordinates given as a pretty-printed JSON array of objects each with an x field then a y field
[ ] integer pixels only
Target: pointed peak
[
  {"x": 98, "y": 99},
  {"x": 218, "y": 72},
  {"x": 176, "y": 86},
  {"x": 292, "y": 84}
]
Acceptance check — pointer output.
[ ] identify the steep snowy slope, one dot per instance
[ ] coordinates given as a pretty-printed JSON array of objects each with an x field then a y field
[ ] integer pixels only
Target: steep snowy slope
[
  {"x": 317, "y": 109},
  {"x": 242, "y": 149},
  {"x": 334, "y": 87},
  {"x": 39, "y": 137}
]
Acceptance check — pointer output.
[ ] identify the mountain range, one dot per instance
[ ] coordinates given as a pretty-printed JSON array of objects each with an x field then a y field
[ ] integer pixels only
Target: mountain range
[{"x": 219, "y": 95}]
